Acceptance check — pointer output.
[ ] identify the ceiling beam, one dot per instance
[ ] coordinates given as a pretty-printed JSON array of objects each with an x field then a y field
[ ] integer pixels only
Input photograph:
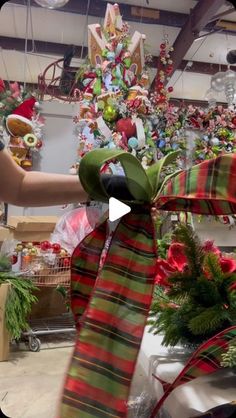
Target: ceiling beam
[
  {"x": 40, "y": 47},
  {"x": 58, "y": 49},
  {"x": 198, "y": 19},
  {"x": 130, "y": 13}
]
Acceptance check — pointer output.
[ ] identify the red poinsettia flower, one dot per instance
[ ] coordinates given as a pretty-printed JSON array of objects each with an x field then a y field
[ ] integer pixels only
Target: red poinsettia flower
[
  {"x": 176, "y": 256},
  {"x": 209, "y": 247},
  {"x": 228, "y": 265},
  {"x": 2, "y": 86},
  {"x": 176, "y": 262}
]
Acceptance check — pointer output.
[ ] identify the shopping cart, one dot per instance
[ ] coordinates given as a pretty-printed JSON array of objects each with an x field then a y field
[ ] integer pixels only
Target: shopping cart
[{"x": 52, "y": 271}]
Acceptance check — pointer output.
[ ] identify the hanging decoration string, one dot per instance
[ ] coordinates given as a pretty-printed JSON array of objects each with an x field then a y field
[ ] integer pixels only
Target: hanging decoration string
[{"x": 85, "y": 26}]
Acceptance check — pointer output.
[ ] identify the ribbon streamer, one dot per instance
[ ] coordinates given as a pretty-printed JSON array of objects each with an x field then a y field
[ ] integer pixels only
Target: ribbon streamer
[{"x": 111, "y": 302}]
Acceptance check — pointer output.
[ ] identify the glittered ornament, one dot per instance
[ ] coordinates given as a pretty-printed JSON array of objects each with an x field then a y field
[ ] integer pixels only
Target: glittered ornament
[
  {"x": 170, "y": 89},
  {"x": 133, "y": 142},
  {"x": 223, "y": 132},
  {"x": 126, "y": 126},
  {"x": 39, "y": 144},
  {"x": 110, "y": 114},
  {"x": 215, "y": 141}
]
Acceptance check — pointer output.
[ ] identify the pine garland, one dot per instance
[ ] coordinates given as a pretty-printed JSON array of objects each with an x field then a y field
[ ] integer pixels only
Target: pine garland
[
  {"x": 19, "y": 300},
  {"x": 199, "y": 302}
]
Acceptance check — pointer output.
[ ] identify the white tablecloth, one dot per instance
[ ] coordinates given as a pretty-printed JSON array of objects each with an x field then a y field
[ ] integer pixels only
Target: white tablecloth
[{"x": 187, "y": 400}]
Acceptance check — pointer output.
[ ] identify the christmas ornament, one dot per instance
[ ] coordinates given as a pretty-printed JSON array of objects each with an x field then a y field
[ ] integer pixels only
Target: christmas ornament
[
  {"x": 133, "y": 142},
  {"x": 127, "y": 126},
  {"x": 56, "y": 248},
  {"x": 30, "y": 140},
  {"x": 110, "y": 114},
  {"x": 45, "y": 246}
]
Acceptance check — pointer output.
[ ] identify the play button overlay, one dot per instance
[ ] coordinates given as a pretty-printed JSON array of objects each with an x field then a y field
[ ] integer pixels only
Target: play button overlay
[{"x": 117, "y": 209}]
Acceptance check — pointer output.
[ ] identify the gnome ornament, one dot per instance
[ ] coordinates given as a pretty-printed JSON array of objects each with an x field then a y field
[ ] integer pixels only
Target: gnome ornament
[{"x": 20, "y": 127}]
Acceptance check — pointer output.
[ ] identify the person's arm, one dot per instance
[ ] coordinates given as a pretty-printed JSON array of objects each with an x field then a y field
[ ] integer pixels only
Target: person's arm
[{"x": 22, "y": 188}]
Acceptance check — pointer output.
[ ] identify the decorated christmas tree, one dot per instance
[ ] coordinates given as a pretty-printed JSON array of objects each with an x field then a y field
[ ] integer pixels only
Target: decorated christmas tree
[{"x": 116, "y": 108}]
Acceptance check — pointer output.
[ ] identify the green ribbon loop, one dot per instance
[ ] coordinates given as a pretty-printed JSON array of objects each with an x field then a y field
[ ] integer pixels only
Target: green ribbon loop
[{"x": 143, "y": 185}]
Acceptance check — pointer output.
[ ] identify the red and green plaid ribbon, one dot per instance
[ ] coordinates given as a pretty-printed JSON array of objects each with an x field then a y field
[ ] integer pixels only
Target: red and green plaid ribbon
[{"x": 111, "y": 305}]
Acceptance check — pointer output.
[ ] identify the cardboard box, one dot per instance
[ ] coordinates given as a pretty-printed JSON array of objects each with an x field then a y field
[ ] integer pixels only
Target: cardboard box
[
  {"x": 29, "y": 228},
  {"x": 4, "y": 335}
]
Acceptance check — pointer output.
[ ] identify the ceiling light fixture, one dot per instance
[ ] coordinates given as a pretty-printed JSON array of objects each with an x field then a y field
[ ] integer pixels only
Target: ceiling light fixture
[{"x": 51, "y": 4}]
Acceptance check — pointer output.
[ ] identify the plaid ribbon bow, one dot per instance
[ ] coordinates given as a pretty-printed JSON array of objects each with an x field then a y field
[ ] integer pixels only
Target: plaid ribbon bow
[{"x": 111, "y": 304}]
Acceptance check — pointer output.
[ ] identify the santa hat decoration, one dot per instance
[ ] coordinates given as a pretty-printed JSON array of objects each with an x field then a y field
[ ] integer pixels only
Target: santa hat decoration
[
  {"x": 25, "y": 110},
  {"x": 19, "y": 122}
]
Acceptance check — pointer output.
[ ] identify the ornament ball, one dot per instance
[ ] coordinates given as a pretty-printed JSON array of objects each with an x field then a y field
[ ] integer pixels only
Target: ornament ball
[{"x": 110, "y": 114}]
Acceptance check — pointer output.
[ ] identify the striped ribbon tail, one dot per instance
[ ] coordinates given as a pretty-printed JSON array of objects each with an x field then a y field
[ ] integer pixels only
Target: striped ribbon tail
[
  {"x": 208, "y": 188},
  {"x": 205, "y": 360},
  {"x": 112, "y": 325}
]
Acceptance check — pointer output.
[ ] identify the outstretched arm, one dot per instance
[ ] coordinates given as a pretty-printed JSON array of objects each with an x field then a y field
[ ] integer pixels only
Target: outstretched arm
[{"x": 22, "y": 188}]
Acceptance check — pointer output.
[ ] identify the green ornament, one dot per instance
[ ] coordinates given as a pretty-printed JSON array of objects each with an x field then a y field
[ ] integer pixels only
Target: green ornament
[
  {"x": 223, "y": 132},
  {"x": 178, "y": 125},
  {"x": 110, "y": 114},
  {"x": 97, "y": 88},
  {"x": 127, "y": 62},
  {"x": 168, "y": 132}
]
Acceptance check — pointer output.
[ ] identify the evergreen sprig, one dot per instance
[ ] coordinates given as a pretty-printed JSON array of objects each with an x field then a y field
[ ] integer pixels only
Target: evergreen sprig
[
  {"x": 19, "y": 302},
  {"x": 199, "y": 301}
]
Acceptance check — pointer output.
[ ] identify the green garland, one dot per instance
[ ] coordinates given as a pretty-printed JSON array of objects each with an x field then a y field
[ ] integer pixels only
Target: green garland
[
  {"x": 19, "y": 300},
  {"x": 199, "y": 301}
]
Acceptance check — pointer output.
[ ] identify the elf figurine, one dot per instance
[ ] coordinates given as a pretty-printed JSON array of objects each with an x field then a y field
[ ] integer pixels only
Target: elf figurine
[{"x": 20, "y": 127}]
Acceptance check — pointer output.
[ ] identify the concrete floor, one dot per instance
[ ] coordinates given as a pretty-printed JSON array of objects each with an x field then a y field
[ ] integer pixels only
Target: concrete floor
[{"x": 31, "y": 383}]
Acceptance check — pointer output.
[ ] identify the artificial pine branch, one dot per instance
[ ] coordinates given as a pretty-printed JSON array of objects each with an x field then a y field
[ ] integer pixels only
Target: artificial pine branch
[
  {"x": 193, "y": 248},
  {"x": 199, "y": 301},
  {"x": 19, "y": 302}
]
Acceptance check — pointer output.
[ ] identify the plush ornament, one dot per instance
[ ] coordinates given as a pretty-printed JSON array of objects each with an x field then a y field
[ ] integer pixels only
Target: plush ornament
[
  {"x": 110, "y": 114},
  {"x": 17, "y": 127},
  {"x": 15, "y": 141},
  {"x": 30, "y": 140},
  {"x": 127, "y": 126},
  {"x": 19, "y": 122}
]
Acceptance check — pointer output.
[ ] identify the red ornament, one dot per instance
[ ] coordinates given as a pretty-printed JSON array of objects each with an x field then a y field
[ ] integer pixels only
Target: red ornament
[
  {"x": 163, "y": 46},
  {"x": 169, "y": 69},
  {"x": 170, "y": 89},
  {"x": 14, "y": 259},
  {"x": 66, "y": 262},
  {"x": 234, "y": 120},
  {"x": 163, "y": 53},
  {"x": 56, "y": 248},
  {"x": 45, "y": 246},
  {"x": 126, "y": 126},
  {"x": 39, "y": 144}
]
